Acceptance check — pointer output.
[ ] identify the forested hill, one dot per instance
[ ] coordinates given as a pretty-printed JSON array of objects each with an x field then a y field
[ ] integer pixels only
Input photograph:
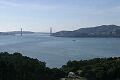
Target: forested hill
[
  {"x": 99, "y": 31},
  {"x": 96, "y": 69},
  {"x": 18, "y": 67}
]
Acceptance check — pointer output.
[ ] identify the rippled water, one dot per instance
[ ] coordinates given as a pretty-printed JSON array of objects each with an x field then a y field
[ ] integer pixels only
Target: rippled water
[{"x": 56, "y": 51}]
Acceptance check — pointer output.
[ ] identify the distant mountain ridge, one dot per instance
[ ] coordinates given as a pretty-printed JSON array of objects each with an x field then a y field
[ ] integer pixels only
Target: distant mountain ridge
[
  {"x": 99, "y": 31},
  {"x": 15, "y": 32},
  {"x": 19, "y": 32}
]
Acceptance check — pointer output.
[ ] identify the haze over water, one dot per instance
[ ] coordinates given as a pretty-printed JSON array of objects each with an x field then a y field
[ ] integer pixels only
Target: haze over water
[{"x": 56, "y": 51}]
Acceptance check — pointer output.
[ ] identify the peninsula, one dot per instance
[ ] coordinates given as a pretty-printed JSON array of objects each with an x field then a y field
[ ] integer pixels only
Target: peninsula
[
  {"x": 15, "y": 32},
  {"x": 99, "y": 31}
]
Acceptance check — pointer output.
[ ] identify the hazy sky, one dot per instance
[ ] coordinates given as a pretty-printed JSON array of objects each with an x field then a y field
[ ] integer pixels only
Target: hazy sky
[{"x": 40, "y": 15}]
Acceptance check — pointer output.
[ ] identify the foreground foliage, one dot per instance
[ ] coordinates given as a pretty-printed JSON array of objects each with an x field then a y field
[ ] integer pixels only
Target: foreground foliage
[
  {"x": 96, "y": 69},
  {"x": 18, "y": 67}
]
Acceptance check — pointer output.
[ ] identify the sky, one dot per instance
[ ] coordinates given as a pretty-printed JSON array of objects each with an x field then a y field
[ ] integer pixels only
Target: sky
[{"x": 40, "y": 15}]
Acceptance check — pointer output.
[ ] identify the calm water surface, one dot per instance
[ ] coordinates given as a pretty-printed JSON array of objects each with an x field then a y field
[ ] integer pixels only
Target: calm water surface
[{"x": 56, "y": 51}]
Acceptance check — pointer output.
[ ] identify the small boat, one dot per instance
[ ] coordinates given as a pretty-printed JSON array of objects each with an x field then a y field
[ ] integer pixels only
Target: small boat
[{"x": 73, "y": 40}]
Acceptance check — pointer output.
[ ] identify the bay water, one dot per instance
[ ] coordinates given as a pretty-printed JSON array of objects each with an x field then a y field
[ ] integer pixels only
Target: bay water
[{"x": 56, "y": 51}]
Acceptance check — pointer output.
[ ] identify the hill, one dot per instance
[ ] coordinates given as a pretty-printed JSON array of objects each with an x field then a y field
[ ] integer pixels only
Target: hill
[
  {"x": 15, "y": 32},
  {"x": 17, "y": 67},
  {"x": 19, "y": 32},
  {"x": 99, "y": 31},
  {"x": 95, "y": 69}
]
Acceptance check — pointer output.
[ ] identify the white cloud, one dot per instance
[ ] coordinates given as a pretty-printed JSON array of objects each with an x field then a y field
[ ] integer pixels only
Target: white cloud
[
  {"x": 29, "y": 6},
  {"x": 116, "y": 9},
  {"x": 106, "y": 11},
  {"x": 6, "y": 3}
]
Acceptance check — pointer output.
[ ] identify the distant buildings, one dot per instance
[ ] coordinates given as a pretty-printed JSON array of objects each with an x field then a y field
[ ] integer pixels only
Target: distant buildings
[{"x": 71, "y": 75}]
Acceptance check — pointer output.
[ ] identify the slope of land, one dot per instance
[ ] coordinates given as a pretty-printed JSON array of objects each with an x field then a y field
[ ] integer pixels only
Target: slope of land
[
  {"x": 99, "y": 31},
  {"x": 16, "y": 32},
  {"x": 17, "y": 67}
]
